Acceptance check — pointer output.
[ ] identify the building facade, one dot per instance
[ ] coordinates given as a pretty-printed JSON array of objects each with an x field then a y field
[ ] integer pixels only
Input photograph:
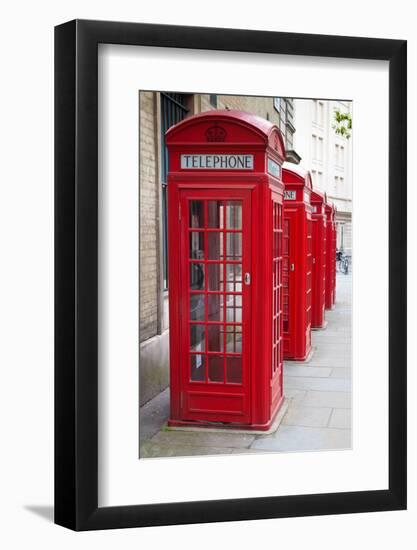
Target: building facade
[
  {"x": 159, "y": 111},
  {"x": 328, "y": 156}
]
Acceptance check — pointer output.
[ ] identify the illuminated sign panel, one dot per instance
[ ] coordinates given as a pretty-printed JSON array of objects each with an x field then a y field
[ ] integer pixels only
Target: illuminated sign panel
[{"x": 217, "y": 162}]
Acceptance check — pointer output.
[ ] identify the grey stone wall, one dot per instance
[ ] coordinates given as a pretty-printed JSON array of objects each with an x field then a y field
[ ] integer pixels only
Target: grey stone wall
[{"x": 149, "y": 227}]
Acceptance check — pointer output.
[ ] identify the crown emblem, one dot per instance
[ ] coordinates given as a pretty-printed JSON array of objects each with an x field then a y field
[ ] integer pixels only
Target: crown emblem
[{"x": 216, "y": 133}]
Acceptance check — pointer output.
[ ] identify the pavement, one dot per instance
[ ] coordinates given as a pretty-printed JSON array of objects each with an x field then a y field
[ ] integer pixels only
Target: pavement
[{"x": 317, "y": 393}]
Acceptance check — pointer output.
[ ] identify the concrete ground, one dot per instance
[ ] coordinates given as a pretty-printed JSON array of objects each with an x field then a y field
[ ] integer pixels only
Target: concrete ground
[{"x": 318, "y": 395}]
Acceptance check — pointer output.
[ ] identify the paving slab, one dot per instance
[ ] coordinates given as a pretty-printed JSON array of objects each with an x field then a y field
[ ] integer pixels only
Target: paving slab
[
  {"x": 202, "y": 439},
  {"x": 342, "y": 372},
  {"x": 155, "y": 450},
  {"x": 341, "y": 418},
  {"x": 153, "y": 415},
  {"x": 246, "y": 451},
  {"x": 334, "y": 399},
  {"x": 341, "y": 345},
  {"x": 340, "y": 342},
  {"x": 298, "y": 370},
  {"x": 339, "y": 317},
  {"x": 316, "y": 417},
  {"x": 333, "y": 332},
  {"x": 335, "y": 352},
  {"x": 318, "y": 384},
  {"x": 332, "y": 362},
  {"x": 297, "y": 438},
  {"x": 294, "y": 396}
]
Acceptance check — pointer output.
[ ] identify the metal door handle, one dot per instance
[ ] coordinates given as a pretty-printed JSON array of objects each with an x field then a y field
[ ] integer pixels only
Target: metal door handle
[
  {"x": 247, "y": 279},
  {"x": 292, "y": 267}
]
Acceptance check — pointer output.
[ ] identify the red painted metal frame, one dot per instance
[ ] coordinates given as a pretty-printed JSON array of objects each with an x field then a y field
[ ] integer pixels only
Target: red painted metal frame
[
  {"x": 298, "y": 264},
  {"x": 261, "y": 392},
  {"x": 232, "y": 400},
  {"x": 330, "y": 256},
  {"x": 318, "y": 201},
  {"x": 334, "y": 252}
]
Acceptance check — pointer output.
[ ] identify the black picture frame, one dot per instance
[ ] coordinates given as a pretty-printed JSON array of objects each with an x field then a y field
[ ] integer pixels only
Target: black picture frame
[{"x": 76, "y": 272}]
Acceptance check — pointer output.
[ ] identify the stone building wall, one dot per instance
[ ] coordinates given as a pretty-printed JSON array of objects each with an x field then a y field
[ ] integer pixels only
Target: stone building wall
[{"x": 149, "y": 231}]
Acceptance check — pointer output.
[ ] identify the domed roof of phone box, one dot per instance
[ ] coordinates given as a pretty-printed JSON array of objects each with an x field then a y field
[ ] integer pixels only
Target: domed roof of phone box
[
  {"x": 294, "y": 173},
  {"x": 227, "y": 126}
]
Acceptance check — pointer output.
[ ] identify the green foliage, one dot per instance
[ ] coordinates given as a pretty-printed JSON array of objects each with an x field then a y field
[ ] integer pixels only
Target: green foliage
[{"x": 342, "y": 123}]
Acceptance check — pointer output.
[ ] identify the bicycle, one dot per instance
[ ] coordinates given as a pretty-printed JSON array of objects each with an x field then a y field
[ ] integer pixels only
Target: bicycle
[{"x": 342, "y": 262}]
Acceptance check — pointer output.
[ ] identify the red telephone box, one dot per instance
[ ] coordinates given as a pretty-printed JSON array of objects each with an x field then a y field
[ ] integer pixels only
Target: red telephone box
[
  {"x": 225, "y": 202},
  {"x": 330, "y": 256},
  {"x": 318, "y": 201},
  {"x": 297, "y": 262},
  {"x": 334, "y": 247}
]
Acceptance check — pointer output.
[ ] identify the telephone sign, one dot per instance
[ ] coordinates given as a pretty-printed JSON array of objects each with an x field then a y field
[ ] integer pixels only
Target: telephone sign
[
  {"x": 217, "y": 162},
  {"x": 290, "y": 195},
  {"x": 274, "y": 168}
]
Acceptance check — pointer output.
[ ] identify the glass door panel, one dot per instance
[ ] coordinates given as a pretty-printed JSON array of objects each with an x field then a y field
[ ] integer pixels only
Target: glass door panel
[{"x": 216, "y": 238}]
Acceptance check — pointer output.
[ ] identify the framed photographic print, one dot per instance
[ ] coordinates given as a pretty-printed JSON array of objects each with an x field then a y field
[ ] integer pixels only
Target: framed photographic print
[{"x": 230, "y": 275}]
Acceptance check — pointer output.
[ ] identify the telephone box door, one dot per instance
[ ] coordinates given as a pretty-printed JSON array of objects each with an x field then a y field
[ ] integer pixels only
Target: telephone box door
[
  {"x": 288, "y": 268},
  {"x": 215, "y": 308},
  {"x": 319, "y": 273}
]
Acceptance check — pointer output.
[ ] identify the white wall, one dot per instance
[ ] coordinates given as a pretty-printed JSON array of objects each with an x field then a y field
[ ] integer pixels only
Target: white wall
[
  {"x": 327, "y": 155},
  {"x": 26, "y": 218}
]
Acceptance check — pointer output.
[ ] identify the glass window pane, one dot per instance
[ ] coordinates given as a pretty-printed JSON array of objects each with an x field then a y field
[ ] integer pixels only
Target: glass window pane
[
  {"x": 215, "y": 214},
  {"x": 215, "y": 307},
  {"x": 215, "y": 245},
  {"x": 234, "y": 246},
  {"x": 197, "y": 307},
  {"x": 286, "y": 237},
  {"x": 215, "y": 368},
  {"x": 233, "y": 309},
  {"x": 234, "y": 339},
  {"x": 234, "y": 369},
  {"x": 234, "y": 215},
  {"x": 196, "y": 213},
  {"x": 197, "y": 338},
  {"x": 197, "y": 278},
  {"x": 198, "y": 368},
  {"x": 215, "y": 277},
  {"x": 238, "y": 340},
  {"x": 234, "y": 277},
  {"x": 215, "y": 337},
  {"x": 197, "y": 245},
  {"x": 275, "y": 244},
  {"x": 277, "y": 323}
]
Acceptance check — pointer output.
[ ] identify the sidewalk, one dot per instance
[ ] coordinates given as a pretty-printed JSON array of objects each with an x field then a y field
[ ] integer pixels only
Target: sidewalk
[{"x": 318, "y": 394}]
